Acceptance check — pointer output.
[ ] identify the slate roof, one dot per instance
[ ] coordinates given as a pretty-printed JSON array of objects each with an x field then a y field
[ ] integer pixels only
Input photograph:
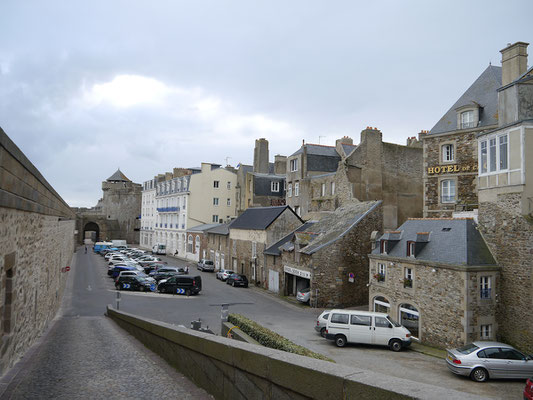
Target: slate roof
[
  {"x": 263, "y": 187},
  {"x": 484, "y": 91},
  {"x": 118, "y": 176},
  {"x": 450, "y": 241},
  {"x": 348, "y": 148},
  {"x": 259, "y": 218},
  {"x": 202, "y": 227},
  {"x": 317, "y": 150},
  {"x": 275, "y": 249},
  {"x": 337, "y": 224},
  {"x": 220, "y": 229}
]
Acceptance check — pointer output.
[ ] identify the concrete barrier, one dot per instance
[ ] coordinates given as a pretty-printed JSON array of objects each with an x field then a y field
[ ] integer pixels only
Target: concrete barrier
[
  {"x": 230, "y": 369},
  {"x": 237, "y": 334}
]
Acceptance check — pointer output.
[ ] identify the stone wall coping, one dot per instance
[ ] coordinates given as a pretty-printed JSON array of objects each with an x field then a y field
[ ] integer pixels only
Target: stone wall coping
[
  {"x": 456, "y": 267},
  {"x": 302, "y": 375},
  {"x": 11, "y": 200}
]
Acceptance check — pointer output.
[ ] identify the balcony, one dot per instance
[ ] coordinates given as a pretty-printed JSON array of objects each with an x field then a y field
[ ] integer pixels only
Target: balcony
[{"x": 168, "y": 209}]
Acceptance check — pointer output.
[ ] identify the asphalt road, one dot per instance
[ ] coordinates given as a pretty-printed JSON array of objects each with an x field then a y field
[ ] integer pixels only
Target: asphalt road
[
  {"x": 296, "y": 323},
  {"x": 85, "y": 355}
]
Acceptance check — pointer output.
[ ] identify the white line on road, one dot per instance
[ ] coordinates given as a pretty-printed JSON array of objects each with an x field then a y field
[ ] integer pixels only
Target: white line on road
[{"x": 157, "y": 295}]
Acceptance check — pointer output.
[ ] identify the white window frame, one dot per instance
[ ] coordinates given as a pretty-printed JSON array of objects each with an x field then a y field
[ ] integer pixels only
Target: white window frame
[
  {"x": 215, "y": 218},
  {"x": 332, "y": 188},
  {"x": 296, "y": 189},
  {"x": 467, "y": 123},
  {"x": 216, "y": 184},
  {"x": 293, "y": 165},
  {"x": 229, "y": 185},
  {"x": 411, "y": 245},
  {"x": 446, "y": 198},
  {"x": 485, "y": 331},
  {"x": 215, "y": 201},
  {"x": 274, "y": 186},
  {"x": 289, "y": 190},
  {"x": 485, "y": 287},
  {"x": 491, "y": 162},
  {"x": 323, "y": 190},
  {"x": 448, "y": 152},
  {"x": 254, "y": 249},
  {"x": 228, "y": 202}
]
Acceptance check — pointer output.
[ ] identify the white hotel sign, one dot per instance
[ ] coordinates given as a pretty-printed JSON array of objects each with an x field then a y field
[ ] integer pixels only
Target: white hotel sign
[{"x": 297, "y": 272}]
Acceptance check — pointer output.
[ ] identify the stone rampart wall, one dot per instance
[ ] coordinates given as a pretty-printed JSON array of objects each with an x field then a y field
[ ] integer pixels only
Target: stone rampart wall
[{"x": 36, "y": 244}]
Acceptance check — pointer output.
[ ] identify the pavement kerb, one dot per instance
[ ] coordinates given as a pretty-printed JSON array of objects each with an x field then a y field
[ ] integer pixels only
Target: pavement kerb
[{"x": 428, "y": 350}]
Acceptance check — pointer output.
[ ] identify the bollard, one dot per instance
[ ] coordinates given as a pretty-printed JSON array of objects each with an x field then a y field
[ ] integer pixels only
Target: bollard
[{"x": 118, "y": 300}]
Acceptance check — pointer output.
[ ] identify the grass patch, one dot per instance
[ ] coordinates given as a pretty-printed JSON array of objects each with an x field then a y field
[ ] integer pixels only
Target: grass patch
[{"x": 271, "y": 339}]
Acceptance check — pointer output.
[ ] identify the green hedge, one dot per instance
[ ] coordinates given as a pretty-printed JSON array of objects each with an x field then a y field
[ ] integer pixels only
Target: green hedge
[{"x": 271, "y": 339}]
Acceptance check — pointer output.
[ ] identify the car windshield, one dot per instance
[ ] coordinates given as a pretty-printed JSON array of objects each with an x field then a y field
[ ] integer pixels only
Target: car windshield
[
  {"x": 393, "y": 322},
  {"x": 467, "y": 349}
]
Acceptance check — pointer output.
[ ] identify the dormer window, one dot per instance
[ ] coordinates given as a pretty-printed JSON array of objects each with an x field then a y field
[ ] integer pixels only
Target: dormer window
[
  {"x": 467, "y": 120},
  {"x": 383, "y": 247},
  {"x": 410, "y": 249}
]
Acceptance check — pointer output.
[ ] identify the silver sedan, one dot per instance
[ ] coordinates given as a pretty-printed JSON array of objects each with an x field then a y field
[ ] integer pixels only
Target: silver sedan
[{"x": 484, "y": 360}]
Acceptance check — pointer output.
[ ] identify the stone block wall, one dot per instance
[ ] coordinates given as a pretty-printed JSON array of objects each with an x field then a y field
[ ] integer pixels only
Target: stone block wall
[
  {"x": 36, "y": 243},
  {"x": 446, "y": 297},
  {"x": 509, "y": 235},
  {"x": 464, "y": 171},
  {"x": 332, "y": 264}
]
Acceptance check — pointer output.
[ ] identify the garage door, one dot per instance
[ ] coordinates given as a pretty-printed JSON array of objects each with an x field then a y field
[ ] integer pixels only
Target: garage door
[{"x": 273, "y": 281}]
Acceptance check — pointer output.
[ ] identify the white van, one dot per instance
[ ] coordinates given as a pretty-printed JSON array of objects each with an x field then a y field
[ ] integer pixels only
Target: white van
[{"x": 351, "y": 326}]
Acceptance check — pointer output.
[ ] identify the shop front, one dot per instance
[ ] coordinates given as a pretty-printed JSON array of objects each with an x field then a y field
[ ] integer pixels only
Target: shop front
[{"x": 295, "y": 280}]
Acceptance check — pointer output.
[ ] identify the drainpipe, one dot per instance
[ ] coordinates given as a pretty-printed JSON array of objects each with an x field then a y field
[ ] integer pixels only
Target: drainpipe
[{"x": 466, "y": 307}]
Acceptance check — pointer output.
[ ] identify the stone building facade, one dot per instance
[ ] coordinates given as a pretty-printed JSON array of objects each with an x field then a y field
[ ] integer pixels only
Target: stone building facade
[
  {"x": 218, "y": 246},
  {"x": 197, "y": 243},
  {"x": 450, "y": 148},
  {"x": 438, "y": 278},
  {"x": 37, "y": 240},
  {"x": 329, "y": 256},
  {"x": 252, "y": 232},
  {"x": 117, "y": 214},
  {"x": 505, "y": 191}
]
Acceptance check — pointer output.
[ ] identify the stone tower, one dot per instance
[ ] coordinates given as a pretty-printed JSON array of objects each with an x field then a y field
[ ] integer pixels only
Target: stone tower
[{"x": 261, "y": 156}]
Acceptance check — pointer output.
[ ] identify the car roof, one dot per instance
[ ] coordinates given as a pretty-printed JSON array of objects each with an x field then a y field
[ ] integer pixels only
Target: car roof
[
  {"x": 482, "y": 343},
  {"x": 361, "y": 312}
]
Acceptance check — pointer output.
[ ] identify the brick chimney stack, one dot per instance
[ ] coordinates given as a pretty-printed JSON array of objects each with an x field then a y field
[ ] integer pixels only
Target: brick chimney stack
[
  {"x": 514, "y": 61},
  {"x": 261, "y": 156}
]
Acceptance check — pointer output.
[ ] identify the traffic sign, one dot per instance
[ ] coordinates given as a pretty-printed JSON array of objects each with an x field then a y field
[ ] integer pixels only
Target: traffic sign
[
  {"x": 180, "y": 291},
  {"x": 153, "y": 287},
  {"x": 126, "y": 286}
]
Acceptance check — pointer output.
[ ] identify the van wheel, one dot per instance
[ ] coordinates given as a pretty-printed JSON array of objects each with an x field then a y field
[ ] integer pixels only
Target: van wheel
[
  {"x": 395, "y": 345},
  {"x": 479, "y": 375},
  {"x": 323, "y": 332},
  {"x": 340, "y": 340}
]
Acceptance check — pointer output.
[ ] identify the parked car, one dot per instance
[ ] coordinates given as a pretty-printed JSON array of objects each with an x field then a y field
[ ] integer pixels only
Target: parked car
[
  {"x": 489, "y": 360},
  {"x": 237, "y": 280},
  {"x": 366, "y": 327},
  {"x": 223, "y": 274},
  {"x": 528, "y": 390},
  {"x": 321, "y": 322},
  {"x": 135, "y": 273},
  {"x": 303, "y": 295},
  {"x": 181, "y": 284},
  {"x": 134, "y": 283},
  {"x": 166, "y": 272},
  {"x": 206, "y": 265},
  {"x": 153, "y": 266},
  {"x": 118, "y": 269}
]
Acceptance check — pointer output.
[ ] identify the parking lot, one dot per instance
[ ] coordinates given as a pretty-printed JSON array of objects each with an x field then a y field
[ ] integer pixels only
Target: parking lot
[{"x": 296, "y": 323}]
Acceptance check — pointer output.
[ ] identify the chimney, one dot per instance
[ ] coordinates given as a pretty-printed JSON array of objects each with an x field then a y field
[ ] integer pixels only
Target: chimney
[
  {"x": 280, "y": 164},
  {"x": 343, "y": 140},
  {"x": 514, "y": 62},
  {"x": 261, "y": 156}
]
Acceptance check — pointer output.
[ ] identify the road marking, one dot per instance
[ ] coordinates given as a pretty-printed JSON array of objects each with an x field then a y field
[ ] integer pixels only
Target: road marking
[{"x": 150, "y": 294}]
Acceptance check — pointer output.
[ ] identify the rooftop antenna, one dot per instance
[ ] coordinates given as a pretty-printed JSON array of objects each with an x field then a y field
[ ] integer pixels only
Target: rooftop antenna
[{"x": 319, "y": 138}]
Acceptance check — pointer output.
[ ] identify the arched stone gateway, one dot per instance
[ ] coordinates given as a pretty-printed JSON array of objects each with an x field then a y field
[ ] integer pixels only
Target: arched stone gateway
[{"x": 94, "y": 229}]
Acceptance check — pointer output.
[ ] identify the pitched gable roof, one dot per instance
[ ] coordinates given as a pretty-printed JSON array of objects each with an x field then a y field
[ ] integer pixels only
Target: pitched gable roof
[
  {"x": 260, "y": 218},
  {"x": 450, "y": 241},
  {"x": 484, "y": 91},
  {"x": 118, "y": 176},
  {"x": 337, "y": 224},
  {"x": 274, "y": 250}
]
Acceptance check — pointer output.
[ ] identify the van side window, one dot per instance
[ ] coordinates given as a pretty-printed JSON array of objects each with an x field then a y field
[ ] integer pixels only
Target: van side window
[
  {"x": 361, "y": 320},
  {"x": 382, "y": 323},
  {"x": 339, "y": 318}
]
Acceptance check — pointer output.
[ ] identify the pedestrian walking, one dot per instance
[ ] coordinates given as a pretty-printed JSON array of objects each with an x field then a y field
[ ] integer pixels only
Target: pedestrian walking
[{"x": 85, "y": 249}]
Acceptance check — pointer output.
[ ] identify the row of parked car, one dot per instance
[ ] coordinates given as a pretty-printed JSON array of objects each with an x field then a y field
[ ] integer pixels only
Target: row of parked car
[
  {"x": 134, "y": 269},
  {"x": 480, "y": 360},
  {"x": 225, "y": 275}
]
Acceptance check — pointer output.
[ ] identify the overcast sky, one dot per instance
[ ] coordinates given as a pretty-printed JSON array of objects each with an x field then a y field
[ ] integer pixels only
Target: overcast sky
[{"x": 87, "y": 87}]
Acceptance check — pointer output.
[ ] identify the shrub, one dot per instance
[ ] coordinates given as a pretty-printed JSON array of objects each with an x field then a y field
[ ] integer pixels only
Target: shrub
[{"x": 271, "y": 339}]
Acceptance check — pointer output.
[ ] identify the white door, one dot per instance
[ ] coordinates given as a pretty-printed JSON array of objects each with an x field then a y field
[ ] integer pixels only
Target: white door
[
  {"x": 383, "y": 331},
  {"x": 273, "y": 281}
]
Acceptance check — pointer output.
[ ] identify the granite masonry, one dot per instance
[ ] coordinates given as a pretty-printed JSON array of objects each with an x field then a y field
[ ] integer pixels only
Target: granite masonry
[{"x": 36, "y": 245}]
